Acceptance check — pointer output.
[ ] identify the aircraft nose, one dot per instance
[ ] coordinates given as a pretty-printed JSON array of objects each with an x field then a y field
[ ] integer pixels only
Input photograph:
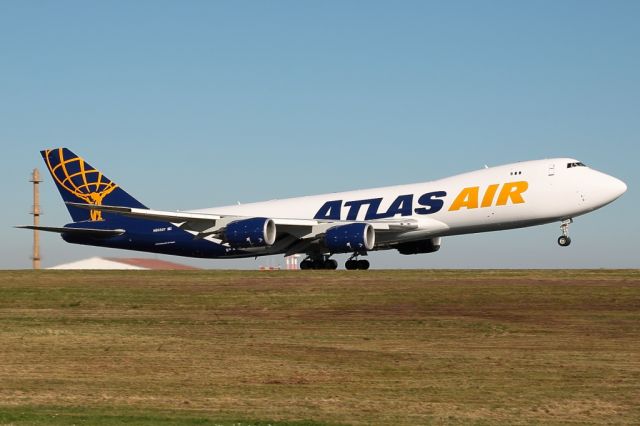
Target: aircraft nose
[{"x": 615, "y": 187}]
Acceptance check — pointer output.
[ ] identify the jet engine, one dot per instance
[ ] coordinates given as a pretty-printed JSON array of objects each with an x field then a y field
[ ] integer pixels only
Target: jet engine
[
  {"x": 422, "y": 246},
  {"x": 354, "y": 237},
  {"x": 254, "y": 232}
]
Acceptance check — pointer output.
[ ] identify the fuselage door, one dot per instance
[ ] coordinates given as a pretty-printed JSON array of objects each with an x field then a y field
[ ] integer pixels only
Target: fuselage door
[{"x": 552, "y": 170}]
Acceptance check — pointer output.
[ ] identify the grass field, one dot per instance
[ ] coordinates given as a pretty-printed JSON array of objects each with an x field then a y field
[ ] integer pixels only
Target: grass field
[{"x": 316, "y": 347}]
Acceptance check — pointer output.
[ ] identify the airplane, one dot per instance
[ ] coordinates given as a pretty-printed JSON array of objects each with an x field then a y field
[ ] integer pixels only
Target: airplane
[{"x": 411, "y": 219}]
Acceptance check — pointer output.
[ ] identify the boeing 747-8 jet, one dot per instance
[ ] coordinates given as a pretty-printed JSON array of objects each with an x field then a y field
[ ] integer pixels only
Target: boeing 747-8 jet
[{"x": 411, "y": 219}]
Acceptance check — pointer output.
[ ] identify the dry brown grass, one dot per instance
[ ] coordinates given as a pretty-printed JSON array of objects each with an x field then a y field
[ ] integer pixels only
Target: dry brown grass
[{"x": 383, "y": 347}]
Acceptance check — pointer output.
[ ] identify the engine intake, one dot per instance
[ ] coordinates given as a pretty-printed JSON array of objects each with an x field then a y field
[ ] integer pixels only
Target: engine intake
[
  {"x": 254, "y": 232},
  {"x": 353, "y": 237},
  {"x": 422, "y": 246}
]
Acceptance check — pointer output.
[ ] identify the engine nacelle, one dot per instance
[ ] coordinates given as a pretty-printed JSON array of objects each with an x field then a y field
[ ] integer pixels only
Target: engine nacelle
[
  {"x": 422, "y": 246},
  {"x": 254, "y": 232},
  {"x": 353, "y": 237}
]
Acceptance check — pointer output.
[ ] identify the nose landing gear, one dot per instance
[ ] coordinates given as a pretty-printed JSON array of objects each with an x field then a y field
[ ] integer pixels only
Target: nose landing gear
[{"x": 564, "y": 239}]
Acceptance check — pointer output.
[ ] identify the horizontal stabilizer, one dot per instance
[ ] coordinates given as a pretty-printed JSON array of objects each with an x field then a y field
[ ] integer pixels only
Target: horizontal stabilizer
[{"x": 90, "y": 232}]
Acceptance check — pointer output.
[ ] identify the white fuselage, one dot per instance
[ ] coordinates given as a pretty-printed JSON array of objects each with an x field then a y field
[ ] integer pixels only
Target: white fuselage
[{"x": 511, "y": 196}]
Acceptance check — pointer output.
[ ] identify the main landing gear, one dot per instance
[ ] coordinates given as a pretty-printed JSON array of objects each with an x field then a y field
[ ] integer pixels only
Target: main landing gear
[
  {"x": 564, "y": 239},
  {"x": 353, "y": 263},
  {"x": 322, "y": 262}
]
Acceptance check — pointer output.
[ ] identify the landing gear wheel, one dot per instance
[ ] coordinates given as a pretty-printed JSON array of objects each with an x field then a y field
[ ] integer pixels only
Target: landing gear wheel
[
  {"x": 321, "y": 262},
  {"x": 363, "y": 264},
  {"x": 306, "y": 264},
  {"x": 353, "y": 264},
  {"x": 330, "y": 264},
  {"x": 564, "y": 241}
]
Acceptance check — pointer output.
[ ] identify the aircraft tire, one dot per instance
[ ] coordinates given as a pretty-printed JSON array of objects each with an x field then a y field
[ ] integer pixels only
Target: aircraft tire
[
  {"x": 351, "y": 265},
  {"x": 564, "y": 241},
  {"x": 363, "y": 264},
  {"x": 305, "y": 264},
  {"x": 330, "y": 264}
]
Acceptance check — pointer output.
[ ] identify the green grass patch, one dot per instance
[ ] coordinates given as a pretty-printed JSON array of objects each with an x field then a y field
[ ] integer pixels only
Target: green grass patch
[{"x": 320, "y": 347}]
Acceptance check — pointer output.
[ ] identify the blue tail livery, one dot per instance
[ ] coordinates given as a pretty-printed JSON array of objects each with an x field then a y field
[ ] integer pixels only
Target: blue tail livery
[
  {"x": 83, "y": 187},
  {"x": 79, "y": 182}
]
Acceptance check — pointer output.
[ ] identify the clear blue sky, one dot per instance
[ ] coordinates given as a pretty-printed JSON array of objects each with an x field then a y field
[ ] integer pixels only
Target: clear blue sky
[{"x": 201, "y": 103}]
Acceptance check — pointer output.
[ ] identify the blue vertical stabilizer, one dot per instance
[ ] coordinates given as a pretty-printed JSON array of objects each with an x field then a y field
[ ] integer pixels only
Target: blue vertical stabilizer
[{"x": 79, "y": 182}]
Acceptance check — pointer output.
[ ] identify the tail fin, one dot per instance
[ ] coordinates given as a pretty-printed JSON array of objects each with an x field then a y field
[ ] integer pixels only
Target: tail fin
[{"x": 78, "y": 182}]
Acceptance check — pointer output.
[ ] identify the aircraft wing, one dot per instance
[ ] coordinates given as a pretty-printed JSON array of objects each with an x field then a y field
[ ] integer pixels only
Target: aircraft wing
[
  {"x": 196, "y": 221},
  {"x": 202, "y": 225}
]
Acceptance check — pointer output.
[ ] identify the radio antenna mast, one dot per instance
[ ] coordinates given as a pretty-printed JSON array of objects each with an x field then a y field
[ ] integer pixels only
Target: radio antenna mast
[{"x": 35, "y": 178}]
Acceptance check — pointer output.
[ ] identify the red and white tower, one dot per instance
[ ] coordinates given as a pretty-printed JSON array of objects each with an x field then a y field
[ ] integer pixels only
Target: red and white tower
[{"x": 291, "y": 262}]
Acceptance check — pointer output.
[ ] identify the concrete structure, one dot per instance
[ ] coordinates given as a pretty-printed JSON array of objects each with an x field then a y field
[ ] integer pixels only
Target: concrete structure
[{"x": 122, "y": 264}]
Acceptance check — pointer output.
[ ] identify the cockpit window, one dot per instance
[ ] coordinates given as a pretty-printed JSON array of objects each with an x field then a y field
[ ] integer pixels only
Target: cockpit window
[{"x": 570, "y": 165}]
